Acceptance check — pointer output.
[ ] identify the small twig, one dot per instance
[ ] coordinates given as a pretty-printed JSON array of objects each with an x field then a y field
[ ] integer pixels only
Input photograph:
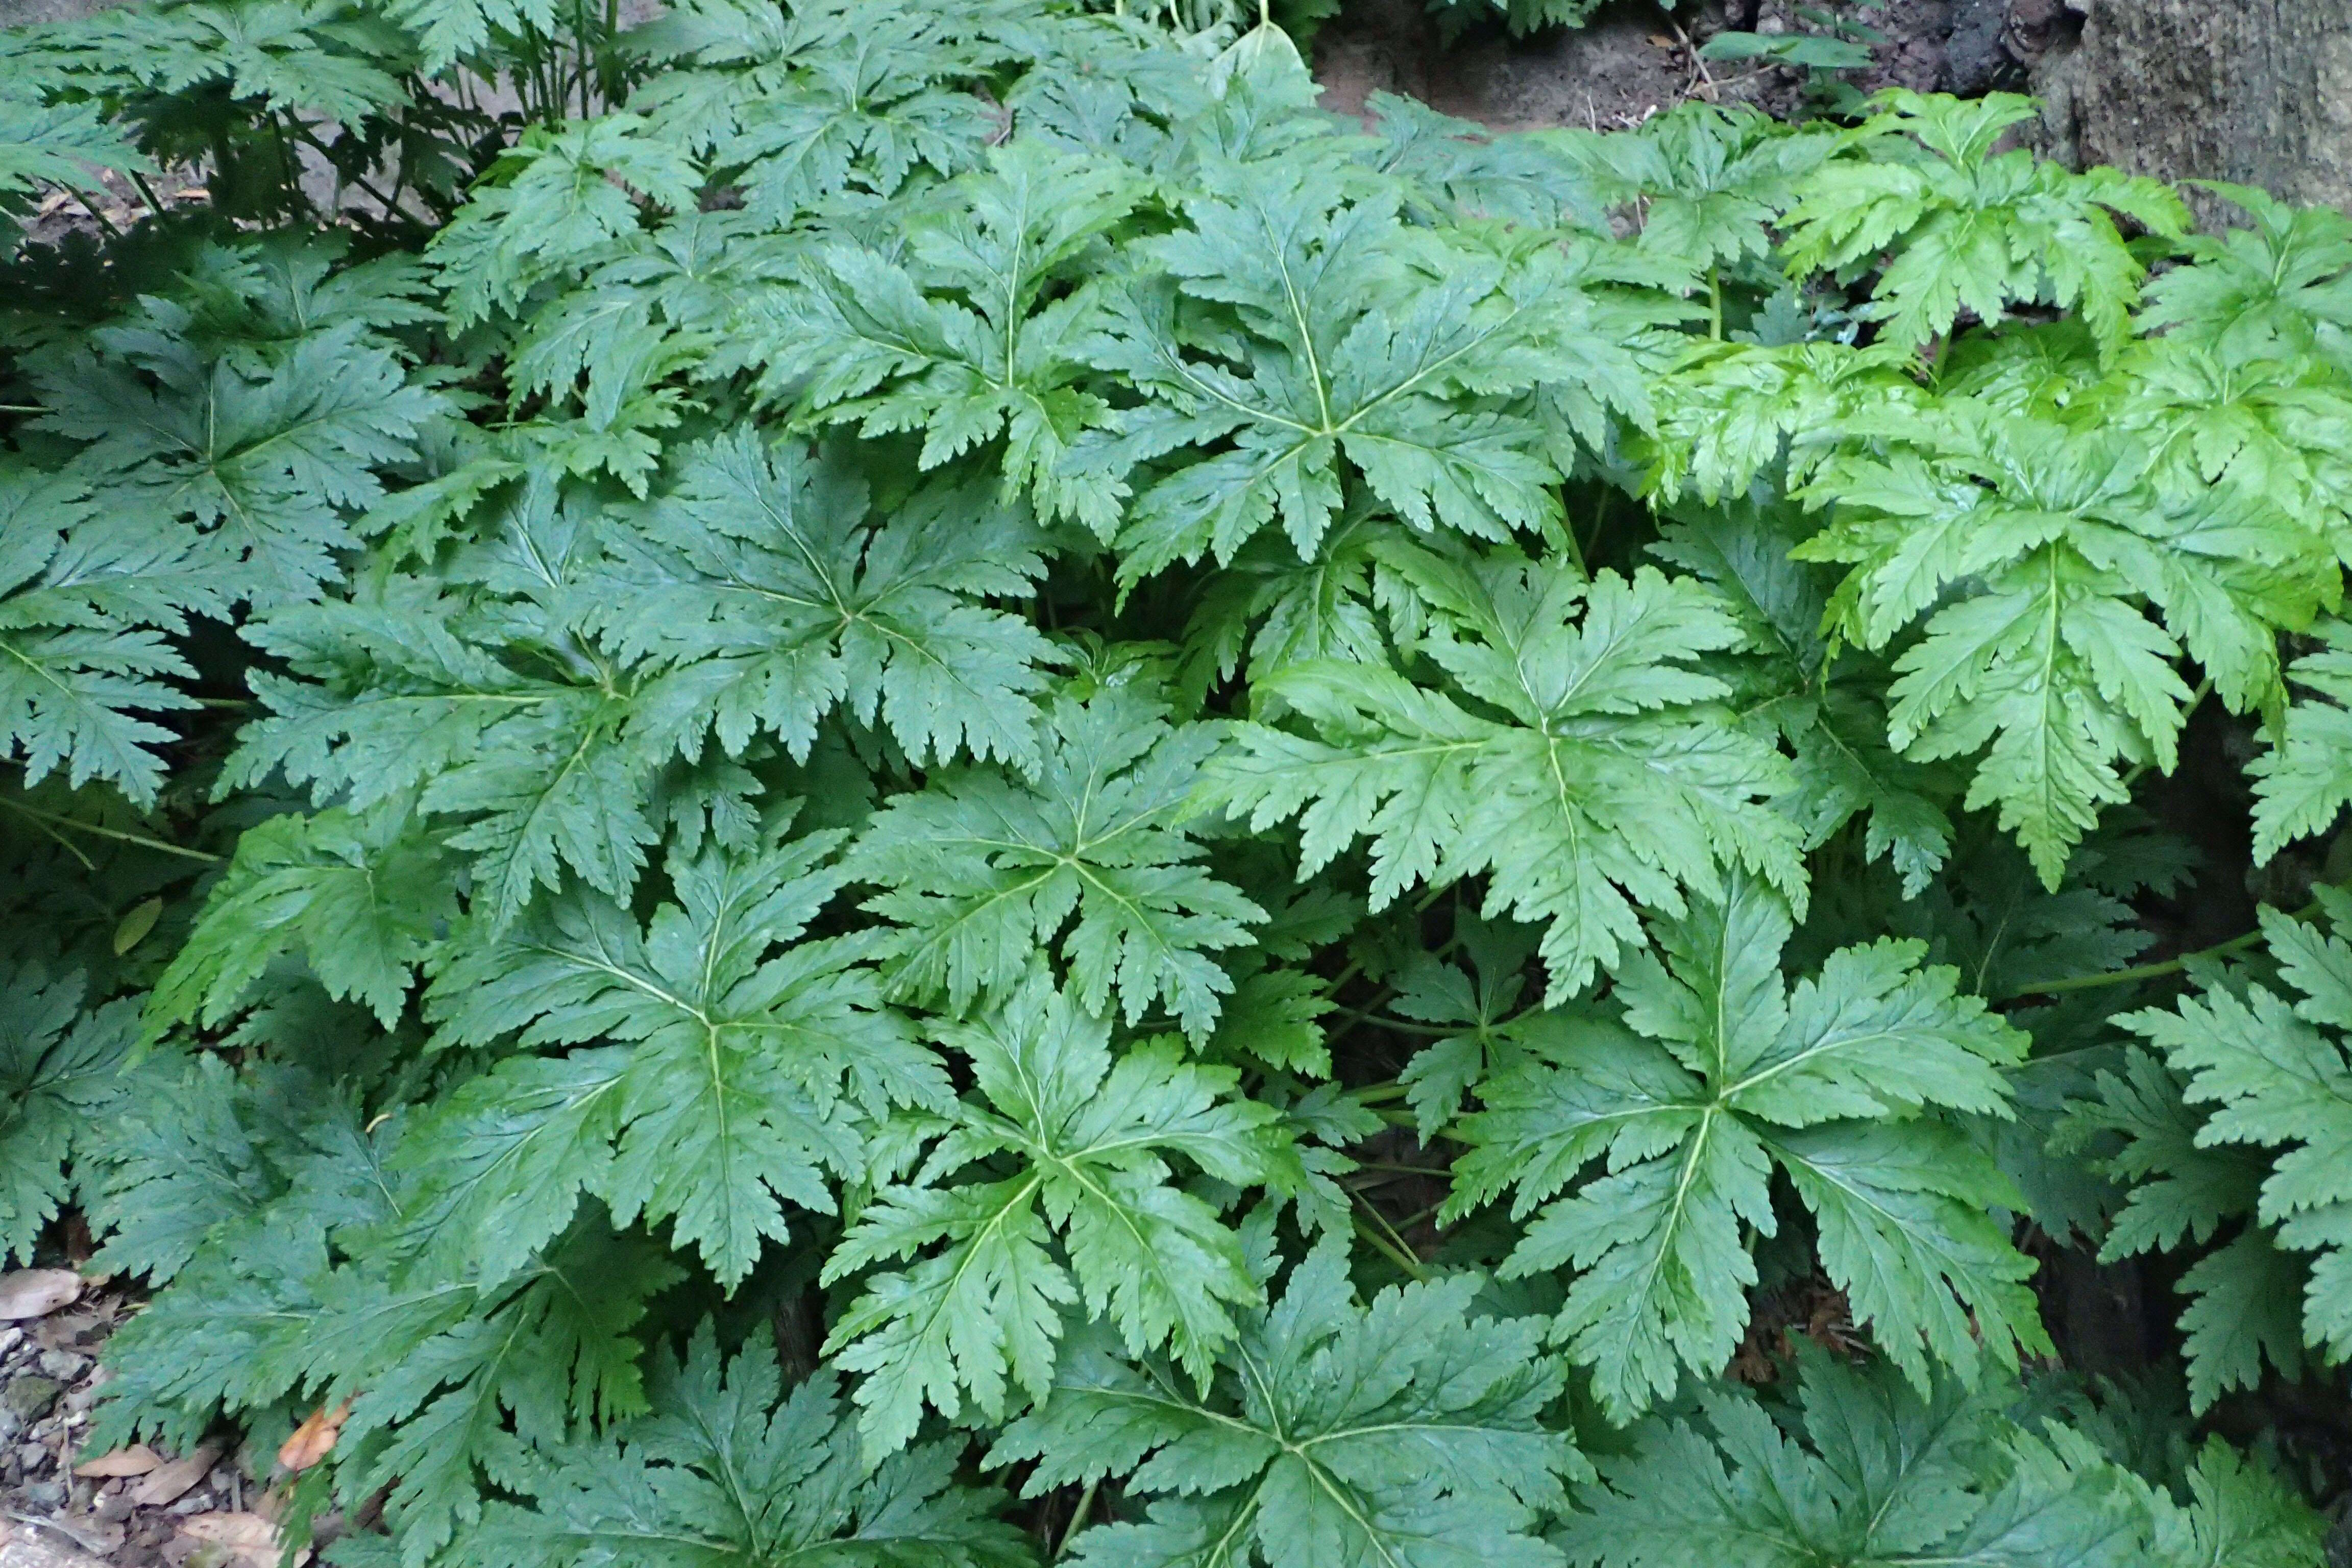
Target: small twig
[{"x": 1698, "y": 60}]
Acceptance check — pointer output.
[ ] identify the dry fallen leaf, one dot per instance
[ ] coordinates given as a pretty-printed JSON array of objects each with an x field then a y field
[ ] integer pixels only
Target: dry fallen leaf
[
  {"x": 170, "y": 1483},
  {"x": 36, "y": 1292},
  {"x": 314, "y": 1440},
  {"x": 135, "y": 1460},
  {"x": 252, "y": 1538}
]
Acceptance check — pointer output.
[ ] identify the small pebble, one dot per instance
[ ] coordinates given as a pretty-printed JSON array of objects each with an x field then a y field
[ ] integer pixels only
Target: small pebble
[
  {"x": 10, "y": 1338},
  {"x": 33, "y": 1457},
  {"x": 113, "y": 1505},
  {"x": 63, "y": 1365},
  {"x": 45, "y": 1494}
]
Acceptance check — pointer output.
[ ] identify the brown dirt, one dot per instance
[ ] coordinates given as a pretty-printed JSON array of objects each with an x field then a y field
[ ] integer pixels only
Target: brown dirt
[{"x": 1634, "y": 59}]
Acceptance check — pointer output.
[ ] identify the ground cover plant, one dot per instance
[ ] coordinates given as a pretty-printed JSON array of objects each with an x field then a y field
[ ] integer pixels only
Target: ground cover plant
[{"x": 923, "y": 783}]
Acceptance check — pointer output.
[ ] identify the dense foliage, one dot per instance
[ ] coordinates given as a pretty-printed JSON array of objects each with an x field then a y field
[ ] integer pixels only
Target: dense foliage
[{"x": 924, "y": 783}]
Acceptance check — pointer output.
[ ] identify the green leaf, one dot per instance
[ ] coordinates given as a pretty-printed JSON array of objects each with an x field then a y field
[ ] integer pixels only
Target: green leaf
[
  {"x": 357, "y": 893},
  {"x": 1971, "y": 228},
  {"x": 720, "y": 1471},
  {"x": 892, "y": 346},
  {"x": 1866, "y": 1468},
  {"x": 2030, "y": 555},
  {"x": 269, "y": 464},
  {"x": 60, "y": 1067},
  {"x": 981, "y": 871},
  {"x": 1406, "y": 1433},
  {"x": 1611, "y": 779},
  {"x": 1712, "y": 1071},
  {"x": 760, "y": 587},
  {"x": 1089, "y": 1140},
  {"x": 2303, "y": 783},
  {"x": 747, "y": 1076},
  {"x": 2277, "y": 1075},
  {"x": 1363, "y": 340}
]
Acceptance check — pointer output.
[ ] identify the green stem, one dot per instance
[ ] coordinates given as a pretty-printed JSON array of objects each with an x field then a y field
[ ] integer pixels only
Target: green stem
[
  {"x": 1077, "y": 1519},
  {"x": 1386, "y": 1242},
  {"x": 116, "y": 833},
  {"x": 1714, "y": 304},
  {"x": 2159, "y": 970}
]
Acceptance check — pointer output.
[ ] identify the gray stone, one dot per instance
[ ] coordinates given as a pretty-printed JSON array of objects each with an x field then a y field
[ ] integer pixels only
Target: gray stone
[
  {"x": 63, "y": 1365},
  {"x": 30, "y": 1398}
]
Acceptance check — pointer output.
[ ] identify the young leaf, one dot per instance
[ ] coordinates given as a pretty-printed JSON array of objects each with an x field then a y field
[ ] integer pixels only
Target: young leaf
[{"x": 1089, "y": 1140}]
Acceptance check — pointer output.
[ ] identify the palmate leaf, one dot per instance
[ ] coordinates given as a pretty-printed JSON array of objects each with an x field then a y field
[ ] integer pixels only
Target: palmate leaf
[
  {"x": 1363, "y": 339},
  {"x": 459, "y": 1384},
  {"x": 871, "y": 94},
  {"x": 1610, "y": 781},
  {"x": 556, "y": 199},
  {"x": 89, "y": 601},
  {"x": 719, "y": 1471},
  {"x": 1714, "y": 1072},
  {"x": 1863, "y": 1470},
  {"x": 2278, "y": 284},
  {"x": 1482, "y": 1002},
  {"x": 758, "y": 586},
  {"x": 1971, "y": 228},
  {"x": 1407, "y": 1434},
  {"x": 1705, "y": 184},
  {"x": 2275, "y": 1071},
  {"x": 983, "y": 871},
  {"x": 60, "y": 1067},
  {"x": 2046, "y": 661},
  {"x": 2237, "y": 1513},
  {"x": 299, "y": 57},
  {"x": 744, "y": 1075},
  {"x": 1729, "y": 411},
  {"x": 269, "y": 463},
  {"x": 1087, "y": 1140},
  {"x": 361, "y": 894},
  {"x": 448, "y": 29},
  {"x": 960, "y": 341},
  {"x": 473, "y": 691}
]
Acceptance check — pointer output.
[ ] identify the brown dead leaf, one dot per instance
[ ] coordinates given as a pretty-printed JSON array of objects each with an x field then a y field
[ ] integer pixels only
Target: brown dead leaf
[
  {"x": 1660, "y": 41},
  {"x": 36, "y": 1292},
  {"x": 253, "y": 1539},
  {"x": 135, "y": 1460},
  {"x": 170, "y": 1483},
  {"x": 314, "y": 1440}
]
